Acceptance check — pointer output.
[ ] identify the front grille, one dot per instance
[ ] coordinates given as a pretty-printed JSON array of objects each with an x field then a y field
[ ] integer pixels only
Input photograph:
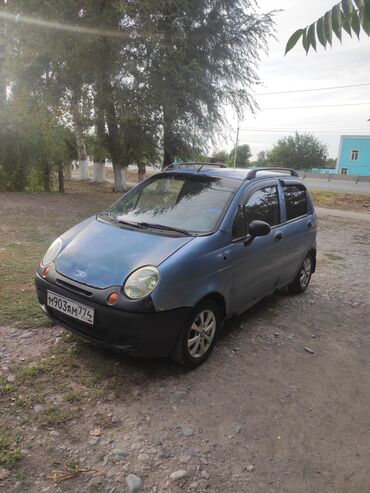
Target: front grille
[
  {"x": 90, "y": 331},
  {"x": 73, "y": 288}
]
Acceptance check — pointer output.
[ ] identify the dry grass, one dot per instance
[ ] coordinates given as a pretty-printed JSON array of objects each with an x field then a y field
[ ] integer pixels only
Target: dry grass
[
  {"x": 30, "y": 222},
  {"x": 347, "y": 201}
]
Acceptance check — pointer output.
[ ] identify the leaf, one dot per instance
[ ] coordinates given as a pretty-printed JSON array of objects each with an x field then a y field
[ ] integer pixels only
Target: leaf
[
  {"x": 364, "y": 17},
  {"x": 347, "y": 7},
  {"x": 346, "y": 25},
  {"x": 336, "y": 15},
  {"x": 305, "y": 41},
  {"x": 294, "y": 38},
  {"x": 355, "y": 23},
  {"x": 311, "y": 36},
  {"x": 367, "y": 10},
  {"x": 320, "y": 29},
  {"x": 328, "y": 27}
]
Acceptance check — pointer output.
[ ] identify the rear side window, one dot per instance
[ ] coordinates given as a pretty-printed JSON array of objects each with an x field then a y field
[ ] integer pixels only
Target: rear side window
[
  {"x": 264, "y": 206},
  {"x": 295, "y": 200}
]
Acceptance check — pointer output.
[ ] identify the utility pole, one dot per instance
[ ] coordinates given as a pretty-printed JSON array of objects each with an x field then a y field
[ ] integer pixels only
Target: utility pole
[{"x": 236, "y": 144}]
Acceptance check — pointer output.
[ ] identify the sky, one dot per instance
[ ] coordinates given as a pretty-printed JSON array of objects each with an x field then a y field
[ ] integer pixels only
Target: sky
[{"x": 344, "y": 64}]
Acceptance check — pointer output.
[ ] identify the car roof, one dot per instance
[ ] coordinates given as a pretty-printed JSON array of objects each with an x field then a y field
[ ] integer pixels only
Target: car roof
[{"x": 219, "y": 170}]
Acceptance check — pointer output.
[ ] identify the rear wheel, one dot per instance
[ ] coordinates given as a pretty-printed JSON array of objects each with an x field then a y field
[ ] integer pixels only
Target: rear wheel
[
  {"x": 198, "y": 336},
  {"x": 302, "y": 279}
]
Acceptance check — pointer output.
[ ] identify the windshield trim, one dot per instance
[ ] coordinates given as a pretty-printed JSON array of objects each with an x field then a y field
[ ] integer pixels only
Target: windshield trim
[{"x": 233, "y": 193}]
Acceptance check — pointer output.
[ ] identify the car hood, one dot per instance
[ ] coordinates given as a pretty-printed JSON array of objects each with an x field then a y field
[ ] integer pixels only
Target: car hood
[{"x": 103, "y": 255}]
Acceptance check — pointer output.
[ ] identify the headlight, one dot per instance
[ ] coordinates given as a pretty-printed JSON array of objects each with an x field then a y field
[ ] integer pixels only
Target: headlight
[
  {"x": 52, "y": 252},
  {"x": 141, "y": 282}
]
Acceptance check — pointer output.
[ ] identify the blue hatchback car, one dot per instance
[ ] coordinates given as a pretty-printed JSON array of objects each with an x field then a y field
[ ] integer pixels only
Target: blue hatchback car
[{"x": 160, "y": 270}]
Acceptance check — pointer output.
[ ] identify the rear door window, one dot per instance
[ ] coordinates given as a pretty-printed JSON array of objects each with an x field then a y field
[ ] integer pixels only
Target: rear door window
[{"x": 296, "y": 201}]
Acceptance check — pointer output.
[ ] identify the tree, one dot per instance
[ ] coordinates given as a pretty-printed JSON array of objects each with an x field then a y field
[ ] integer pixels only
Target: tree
[
  {"x": 330, "y": 163},
  {"x": 348, "y": 15},
  {"x": 204, "y": 60},
  {"x": 219, "y": 157},
  {"x": 243, "y": 153},
  {"x": 134, "y": 77},
  {"x": 299, "y": 152},
  {"x": 263, "y": 158}
]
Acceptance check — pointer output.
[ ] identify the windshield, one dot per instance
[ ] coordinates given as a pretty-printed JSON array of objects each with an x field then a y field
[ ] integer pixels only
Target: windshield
[{"x": 193, "y": 203}]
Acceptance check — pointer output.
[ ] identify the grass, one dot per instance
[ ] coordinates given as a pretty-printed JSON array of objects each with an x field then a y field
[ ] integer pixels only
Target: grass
[
  {"x": 52, "y": 416},
  {"x": 30, "y": 222},
  {"x": 348, "y": 201},
  {"x": 333, "y": 257},
  {"x": 10, "y": 455}
]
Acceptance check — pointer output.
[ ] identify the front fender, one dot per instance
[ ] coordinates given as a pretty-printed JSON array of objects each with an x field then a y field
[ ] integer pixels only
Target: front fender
[{"x": 200, "y": 268}]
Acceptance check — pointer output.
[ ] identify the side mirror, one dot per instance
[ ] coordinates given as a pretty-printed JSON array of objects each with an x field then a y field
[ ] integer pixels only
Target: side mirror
[{"x": 259, "y": 228}]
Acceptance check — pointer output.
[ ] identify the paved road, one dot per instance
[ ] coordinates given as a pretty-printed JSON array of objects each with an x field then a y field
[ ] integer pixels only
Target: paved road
[{"x": 337, "y": 186}]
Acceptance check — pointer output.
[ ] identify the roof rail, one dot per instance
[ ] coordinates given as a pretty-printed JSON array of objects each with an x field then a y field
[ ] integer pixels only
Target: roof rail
[
  {"x": 253, "y": 172},
  {"x": 201, "y": 165}
]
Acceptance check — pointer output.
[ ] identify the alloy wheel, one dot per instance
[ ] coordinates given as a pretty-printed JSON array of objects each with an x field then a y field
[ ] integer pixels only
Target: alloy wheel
[
  {"x": 201, "y": 333},
  {"x": 305, "y": 274}
]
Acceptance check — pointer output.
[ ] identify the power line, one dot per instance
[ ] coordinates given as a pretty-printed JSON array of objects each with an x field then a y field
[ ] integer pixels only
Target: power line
[
  {"x": 313, "y": 106},
  {"x": 334, "y": 129},
  {"x": 311, "y": 90},
  {"x": 283, "y": 130}
]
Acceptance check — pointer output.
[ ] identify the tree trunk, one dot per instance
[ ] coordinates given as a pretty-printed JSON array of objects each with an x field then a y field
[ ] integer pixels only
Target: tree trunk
[
  {"x": 168, "y": 156},
  {"x": 68, "y": 170},
  {"x": 46, "y": 175},
  {"x": 61, "y": 176},
  {"x": 99, "y": 172},
  {"x": 125, "y": 178},
  {"x": 100, "y": 138},
  {"x": 118, "y": 178},
  {"x": 114, "y": 144},
  {"x": 82, "y": 157},
  {"x": 79, "y": 135},
  {"x": 3, "y": 82},
  {"x": 141, "y": 169}
]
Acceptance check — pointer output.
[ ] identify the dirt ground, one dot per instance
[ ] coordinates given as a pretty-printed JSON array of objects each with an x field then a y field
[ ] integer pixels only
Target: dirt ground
[{"x": 281, "y": 406}]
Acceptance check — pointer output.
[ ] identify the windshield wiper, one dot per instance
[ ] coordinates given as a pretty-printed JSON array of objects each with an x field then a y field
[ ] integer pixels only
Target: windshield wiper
[
  {"x": 122, "y": 221},
  {"x": 167, "y": 228},
  {"x": 143, "y": 225}
]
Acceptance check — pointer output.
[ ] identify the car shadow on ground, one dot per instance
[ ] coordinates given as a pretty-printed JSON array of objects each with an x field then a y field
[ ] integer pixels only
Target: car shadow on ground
[{"x": 146, "y": 371}]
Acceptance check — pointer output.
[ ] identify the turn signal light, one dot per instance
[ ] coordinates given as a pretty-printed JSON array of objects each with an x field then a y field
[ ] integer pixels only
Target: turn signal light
[
  {"x": 45, "y": 272},
  {"x": 113, "y": 298}
]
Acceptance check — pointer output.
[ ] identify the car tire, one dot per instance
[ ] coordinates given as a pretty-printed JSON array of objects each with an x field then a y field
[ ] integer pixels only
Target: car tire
[
  {"x": 303, "y": 277},
  {"x": 198, "y": 336}
]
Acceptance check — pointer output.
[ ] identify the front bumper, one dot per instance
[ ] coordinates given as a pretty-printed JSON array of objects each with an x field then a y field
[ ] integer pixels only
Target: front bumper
[{"x": 148, "y": 334}]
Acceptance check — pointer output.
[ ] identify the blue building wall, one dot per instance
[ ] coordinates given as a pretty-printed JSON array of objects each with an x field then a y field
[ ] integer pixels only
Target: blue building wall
[{"x": 354, "y": 155}]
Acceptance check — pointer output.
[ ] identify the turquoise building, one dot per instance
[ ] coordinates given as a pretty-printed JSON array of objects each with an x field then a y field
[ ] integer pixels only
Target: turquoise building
[{"x": 354, "y": 155}]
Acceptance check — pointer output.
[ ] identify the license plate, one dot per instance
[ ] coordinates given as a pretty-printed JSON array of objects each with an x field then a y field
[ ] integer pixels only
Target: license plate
[{"x": 70, "y": 308}]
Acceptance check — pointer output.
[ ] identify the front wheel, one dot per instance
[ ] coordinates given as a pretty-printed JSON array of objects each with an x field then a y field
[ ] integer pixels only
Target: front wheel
[
  {"x": 198, "y": 336},
  {"x": 302, "y": 279}
]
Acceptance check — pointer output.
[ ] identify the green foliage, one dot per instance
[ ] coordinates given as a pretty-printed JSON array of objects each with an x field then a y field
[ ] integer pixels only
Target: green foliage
[
  {"x": 299, "y": 152},
  {"x": 151, "y": 79},
  {"x": 243, "y": 154},
  {"x": 220, "y": 157},
  {"x": 263, "y": 158},
  {"x": 348, "y": 15},
  {"x": 330, "y": 163},
  {"x": 9, "y": 454}
]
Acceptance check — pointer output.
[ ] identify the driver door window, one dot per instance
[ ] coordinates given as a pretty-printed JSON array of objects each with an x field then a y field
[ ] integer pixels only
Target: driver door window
[{"x": 263, "y": 205}]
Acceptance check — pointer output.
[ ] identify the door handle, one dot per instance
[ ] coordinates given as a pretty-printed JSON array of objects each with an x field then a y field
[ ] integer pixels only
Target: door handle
[
  {"x": 279, "y": 236},
  {"x": 309, "y": 225}
]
